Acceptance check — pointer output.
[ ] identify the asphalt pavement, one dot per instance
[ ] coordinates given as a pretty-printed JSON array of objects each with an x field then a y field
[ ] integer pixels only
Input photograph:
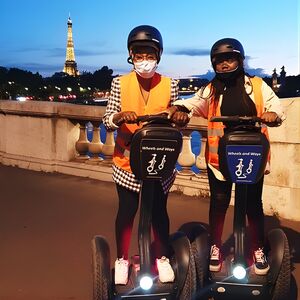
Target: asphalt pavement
[{"x": 47, "y": 222}]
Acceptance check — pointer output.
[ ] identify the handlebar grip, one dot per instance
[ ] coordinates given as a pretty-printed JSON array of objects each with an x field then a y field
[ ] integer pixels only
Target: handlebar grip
[
  {"x": 239, "y": 119},
  {"x": 146, "y": 118},
  {"x": 276, "y": 123},
  {"x": 142, "y": 118},
  {"x": 246, "y": 120}
]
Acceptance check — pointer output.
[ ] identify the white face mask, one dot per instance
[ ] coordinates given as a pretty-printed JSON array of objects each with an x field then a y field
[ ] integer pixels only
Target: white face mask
[{"x": 145, "y": 68}]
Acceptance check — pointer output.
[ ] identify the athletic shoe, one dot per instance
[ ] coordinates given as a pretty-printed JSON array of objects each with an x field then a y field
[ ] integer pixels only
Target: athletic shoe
[
  {"x": 121, "y": 271},
  {"x": 261, "y": 266},
  {"x": 165, "y": 271},
  {"x": 215, "y": 262}
]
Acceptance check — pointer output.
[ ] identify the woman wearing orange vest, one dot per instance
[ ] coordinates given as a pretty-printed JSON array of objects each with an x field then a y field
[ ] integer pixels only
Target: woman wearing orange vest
[
  {"x": 231, "y": 92},
  {"x": 140, "y": 92}
]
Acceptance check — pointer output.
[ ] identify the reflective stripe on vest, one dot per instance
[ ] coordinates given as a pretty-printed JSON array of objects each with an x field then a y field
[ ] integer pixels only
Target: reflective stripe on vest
[
  {"x": 132, "y": 100},
  {"x": 216, "y": 129}
]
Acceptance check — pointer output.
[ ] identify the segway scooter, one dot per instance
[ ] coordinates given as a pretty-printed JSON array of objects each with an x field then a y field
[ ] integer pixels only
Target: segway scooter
[
  {"x": 153, "y": 154},
  {"x": 243, "y": 153}
]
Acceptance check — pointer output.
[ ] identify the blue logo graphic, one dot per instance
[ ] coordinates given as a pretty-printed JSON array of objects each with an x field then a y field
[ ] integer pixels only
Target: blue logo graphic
[{"x": 243, "y": 162}]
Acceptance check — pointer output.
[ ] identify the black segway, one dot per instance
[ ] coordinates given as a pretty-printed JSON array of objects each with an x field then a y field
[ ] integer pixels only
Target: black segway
[
  {"x": 153, "y": 154},
  {"x": 243, "y": 152}
]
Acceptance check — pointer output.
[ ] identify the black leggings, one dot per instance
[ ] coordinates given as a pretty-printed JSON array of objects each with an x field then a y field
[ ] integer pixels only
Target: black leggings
[
  {"x": 128, "y": 206},
  {"x": 219, "y": 202}
]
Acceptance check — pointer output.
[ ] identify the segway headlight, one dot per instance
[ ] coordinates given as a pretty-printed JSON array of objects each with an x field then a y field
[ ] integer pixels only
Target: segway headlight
[
  {"x": 146, "y": 282},
  {"x": 239, "y": 272}
]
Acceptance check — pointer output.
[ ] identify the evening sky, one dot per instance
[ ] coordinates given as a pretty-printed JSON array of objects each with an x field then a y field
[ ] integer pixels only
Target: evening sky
[{"x": 34, "y": 33}]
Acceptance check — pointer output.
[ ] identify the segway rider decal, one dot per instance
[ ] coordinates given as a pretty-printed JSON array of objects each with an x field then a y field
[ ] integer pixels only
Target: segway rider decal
[
  {"x": 158, "y": 157},
  {"x": 152, "y": 162},
  {"x": 151, "y": 166},
  {"x": 239, "y": 168},
  {"x": 161, "y": 165},
  {"x": 249, "y": 170},
  {"x": 243, "y": 162}
]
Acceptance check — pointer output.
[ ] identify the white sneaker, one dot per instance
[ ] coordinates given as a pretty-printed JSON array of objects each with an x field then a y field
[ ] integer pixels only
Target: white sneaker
[
  {"x": 261, "y": 266},
  {"x": 215, "y": 261},
  {"x": 121, "y": 271},
  {"x": 165, "y": 271}
]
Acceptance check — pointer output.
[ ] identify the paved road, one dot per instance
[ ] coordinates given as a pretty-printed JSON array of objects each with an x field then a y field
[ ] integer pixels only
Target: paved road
[{"x": 48, "y": 220}]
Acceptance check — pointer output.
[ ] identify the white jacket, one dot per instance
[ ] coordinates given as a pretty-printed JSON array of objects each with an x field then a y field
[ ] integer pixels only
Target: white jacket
[{"x": 199, "y": 102}]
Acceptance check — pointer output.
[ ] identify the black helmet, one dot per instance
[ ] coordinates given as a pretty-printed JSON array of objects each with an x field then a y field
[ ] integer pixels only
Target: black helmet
[
  {"x": 145, "y": 35},
  {"x": 227, "y": 45}
]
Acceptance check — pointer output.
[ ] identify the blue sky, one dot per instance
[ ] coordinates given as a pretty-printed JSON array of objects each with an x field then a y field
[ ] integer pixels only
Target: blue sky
[{"x": 34, "y": 33}]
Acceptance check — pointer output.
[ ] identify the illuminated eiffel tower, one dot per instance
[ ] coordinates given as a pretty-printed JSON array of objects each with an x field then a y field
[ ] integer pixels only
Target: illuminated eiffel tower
[{"x": 70, "y": 64}]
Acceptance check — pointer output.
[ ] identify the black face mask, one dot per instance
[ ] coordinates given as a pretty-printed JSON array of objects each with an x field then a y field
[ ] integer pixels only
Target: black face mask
[{"x": 232, "y": 75}]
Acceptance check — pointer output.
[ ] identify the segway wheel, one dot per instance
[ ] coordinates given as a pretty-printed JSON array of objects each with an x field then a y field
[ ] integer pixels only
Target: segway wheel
[
  {"x": 101, "y": 269},
  {"x": 200, "y": 253},
  {"x": 198, "y": 237},
  {"x": 185, "y": 270},
  {"x": 280, "y": 265}
]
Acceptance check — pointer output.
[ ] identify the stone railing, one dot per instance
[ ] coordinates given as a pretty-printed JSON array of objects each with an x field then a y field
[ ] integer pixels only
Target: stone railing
[{"x": 70, "y": 139}]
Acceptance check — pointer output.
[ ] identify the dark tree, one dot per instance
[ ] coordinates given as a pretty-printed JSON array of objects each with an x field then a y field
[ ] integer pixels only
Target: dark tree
[{"x": 103, "y": 78}]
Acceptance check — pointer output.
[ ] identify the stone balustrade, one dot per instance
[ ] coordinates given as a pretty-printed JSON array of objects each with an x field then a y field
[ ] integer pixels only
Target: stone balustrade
[{"x": 71, "y": 139}]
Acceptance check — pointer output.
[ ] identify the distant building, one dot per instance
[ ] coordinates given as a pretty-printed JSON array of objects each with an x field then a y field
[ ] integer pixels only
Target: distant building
[
  {"x": 70, "y": 64},
  {"x": 275, "y": 85},
  {"x": 278, "y": 83},
  {"x": 282, "y": 76}
]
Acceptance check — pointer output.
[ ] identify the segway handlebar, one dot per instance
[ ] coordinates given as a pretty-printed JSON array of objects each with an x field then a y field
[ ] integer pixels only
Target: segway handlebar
[
  {"x": 163, "y": 117},
  {"x": 246, "y": 120}
]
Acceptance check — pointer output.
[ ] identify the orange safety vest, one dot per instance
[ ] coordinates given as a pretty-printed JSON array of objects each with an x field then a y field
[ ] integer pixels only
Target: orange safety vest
[
  {"x": 132, "y": 100},
  {"x": 215, "y": 130}
]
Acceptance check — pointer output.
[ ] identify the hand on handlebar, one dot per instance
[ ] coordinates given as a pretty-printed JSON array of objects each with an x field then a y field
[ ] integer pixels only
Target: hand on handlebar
[
  {"x": 124, "y": 117},
  {"x": 180, "y": 118},
  {"x": 271, "y": 119}
]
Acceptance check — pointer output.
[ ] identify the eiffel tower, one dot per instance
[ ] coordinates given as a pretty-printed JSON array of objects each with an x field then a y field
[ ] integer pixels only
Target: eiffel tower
[{"x": 70, "y": 64}]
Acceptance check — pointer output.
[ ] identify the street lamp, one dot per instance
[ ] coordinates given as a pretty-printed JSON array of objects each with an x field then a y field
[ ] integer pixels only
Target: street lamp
[{"x": 10, "y": 89}]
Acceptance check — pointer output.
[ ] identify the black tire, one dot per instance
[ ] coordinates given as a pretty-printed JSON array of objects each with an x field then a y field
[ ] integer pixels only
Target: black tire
[
  {"x": 200, "y": 253},
  {"x": 101, "y": 269},
  {"x": 185, "y": 266},
  {"x": 280, "y": 266},
  {"x": 189, "y": 289},
  {"x": 198, "y": 237}
]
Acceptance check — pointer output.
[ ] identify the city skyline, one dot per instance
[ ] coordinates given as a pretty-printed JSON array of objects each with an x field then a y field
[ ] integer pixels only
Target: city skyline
[{"x": 34, "y": 34}]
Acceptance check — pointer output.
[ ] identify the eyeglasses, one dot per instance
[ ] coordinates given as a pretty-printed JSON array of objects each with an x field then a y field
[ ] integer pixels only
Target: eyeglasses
[
  {"x": 228, "y": 60},
  {"x": 225, "y": 57},
  {"x": 140, "y": 57}
]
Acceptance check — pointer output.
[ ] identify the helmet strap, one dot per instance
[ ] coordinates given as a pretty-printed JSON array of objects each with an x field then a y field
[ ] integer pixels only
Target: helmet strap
[{"x": 129, "y": 60}]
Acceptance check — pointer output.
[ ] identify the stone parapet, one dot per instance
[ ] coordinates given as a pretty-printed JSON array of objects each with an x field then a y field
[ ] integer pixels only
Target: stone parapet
[{"x": 52, "y": 137}]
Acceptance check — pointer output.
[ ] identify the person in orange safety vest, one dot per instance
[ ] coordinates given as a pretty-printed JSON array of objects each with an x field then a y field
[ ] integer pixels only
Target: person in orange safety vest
[
  {"x": 231, "y": 92},
  {"x": 142, "y": 91}
]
